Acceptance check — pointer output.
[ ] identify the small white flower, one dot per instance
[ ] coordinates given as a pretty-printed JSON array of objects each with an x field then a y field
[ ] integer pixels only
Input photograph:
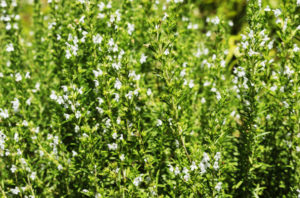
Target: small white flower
[
  {"x": 16, "y": 105},
  {"x": 166, "y": 52},
  {"x": 77, "y": 128},
  {"x": 13, "y": 169},
  {"x": 25, "y": 123},
  {"x": 10, "y": 47},
  {"x": 216, "y": 165},
  {"x": 267, "y": 9},
  {"x": 18, "y": 77},
  {"x": 149, "y": 92},
  {"x": 74, "y": 153},
  {"x": 130, "y": 28},
  {"x": 97, "y": 39},
  {"x": 77, "y": 114},
  {"x": 15, "y": 190},
  {"x": 159, "y": 122},
  {"x": 33, "y": 175},
  {"x": 296, "y": 48},
  {"x": 68, "y": 54},
  {"x": 277, "y": 12},
  {"x": 177, "y": 171},
  {"x": 191, "y": 84},
  {"x": 98, "y": 195},
  {"x": 112, "y": 146},
  {"x": 205, "y": 157},
  {"x": 122, "y": 157},
  {"x": 193, "y": 166},
  {"x": 217, "y": 156},
  {"x": 137, "y": 181},
  {"x": 27, "y": 75},
  {"x": 118, "y": 84},
  {"x": 116, "y": 66},
  {"x": 143, "y": 59},
  {"x": 4, "y": 113},
  {"x": 165, "y": 16},
  {"x": 59, "y": 167},
  {"x": 186, "y": 177},
  {"x": 218, "y": 187},
  {"x": 114, "y": 135},
  {"x": 97, "y": 72}
]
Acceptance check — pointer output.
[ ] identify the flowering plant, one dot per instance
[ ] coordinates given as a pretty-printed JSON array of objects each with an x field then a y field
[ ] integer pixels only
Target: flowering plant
[{"x": 140, "y": 98}]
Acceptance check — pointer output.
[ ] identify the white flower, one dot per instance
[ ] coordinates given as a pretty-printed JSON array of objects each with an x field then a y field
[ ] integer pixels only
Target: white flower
[
  {"x": 77, "y": 128},
  {"x": 13, "y": 169},
  {"x": 116, "y": 66},
  {"x": 215, "y": 20},
  {"x": 15, "y": 190},
  {"x": 111, "y": 42},
  {"x": 4, "y": 113},
  {"x": 218, "y": 187},
  {"x": 186, "y": 177},
  {"x": 122, "y": 157},
  {"x": 98, "y": 195},
  {"x": 277, "y": 12},
  {"x": 77, "y": 114},
  {"x": 205, "y": 157},
  {"x": 166, "y": 52},
  {"x": 217, "y": 156},
  {"x": 137, "y": 181},
  {"x": 10, "y": 47},
  {"x": 27, "y": 75},
  {"x": 193, "y": 166},
  {"x": 97, "y": 72},
  {"x": 118, "y": 84},
  {"x": 143, "y": 59},
  {"x": 115, "y": 135},
  {"x": 191, "y": 84},
  {"x": 16, "y": 105},
  {"x": 159, "y": 122},
  {"x": 216, "y": 165},
  {"x": 59, "y": 167},
  {"x": 177, "y": 171},
  {"x": 296, "y": 48},
  {"x": 33, "y": 175},
  {"x": 165, "y": 16},
  {"x": 25, "y": 123},
  {"x": 267, "y": 9},
  {"x": 74, "y": 153},
  {"x": 100, "y": 100},
  {"x": 149, "y": 92},
  {"x": 112, "y": 146},
  {"x": 117, "y": 97},
  {"x": 97, "y": 39},
  {"x": 18, "y": 77},
  {"x": 130, "y": 28},
  {"x": 68, "y": 54},
  {"x": 208, "y": 34}
]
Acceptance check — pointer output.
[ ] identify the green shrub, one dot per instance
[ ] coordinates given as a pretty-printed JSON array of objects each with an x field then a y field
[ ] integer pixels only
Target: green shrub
[{"x": 143, "y": 98}]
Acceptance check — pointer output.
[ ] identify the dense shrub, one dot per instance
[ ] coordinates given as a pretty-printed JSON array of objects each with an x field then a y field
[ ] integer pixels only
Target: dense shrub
[{"x": 144, "y": 98}]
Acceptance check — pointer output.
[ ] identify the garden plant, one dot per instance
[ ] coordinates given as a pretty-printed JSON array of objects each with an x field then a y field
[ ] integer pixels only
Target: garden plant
[{"x": 150, "y": 98}]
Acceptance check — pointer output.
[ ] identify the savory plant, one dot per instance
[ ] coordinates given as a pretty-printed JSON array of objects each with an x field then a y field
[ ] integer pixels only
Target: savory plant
[{"x": 140, "y": 98}]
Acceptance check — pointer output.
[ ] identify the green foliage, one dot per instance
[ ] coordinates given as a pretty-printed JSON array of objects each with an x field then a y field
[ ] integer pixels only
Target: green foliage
[{"x": 140, "y": 98}]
